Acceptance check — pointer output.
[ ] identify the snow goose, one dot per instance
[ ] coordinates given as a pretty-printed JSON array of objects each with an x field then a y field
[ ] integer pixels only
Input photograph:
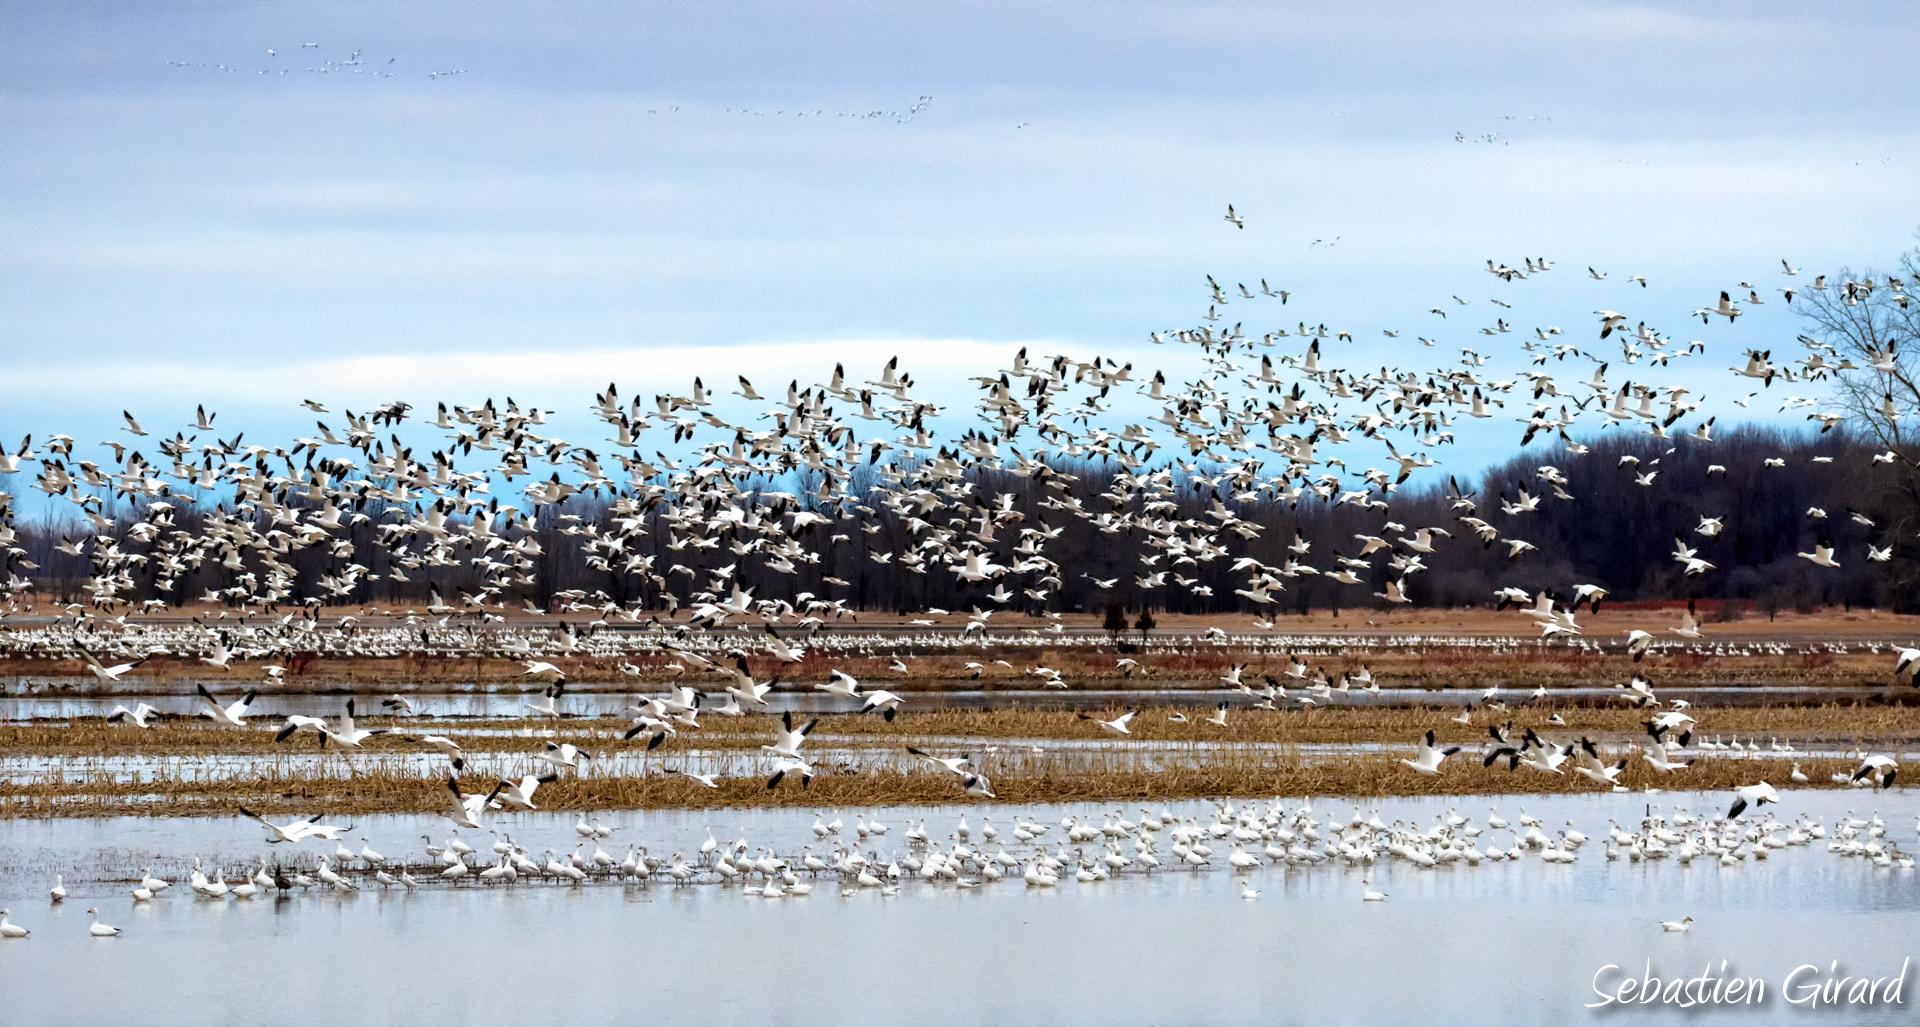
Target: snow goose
[
  {"x": 882, "y": 702},
  {"x": 1428, "y": 758},
  {"x": 1116, "y": 726},
  {"x": 1881, "y": 770},
  {"x": 1822, "y": 555},
  {"x": 1755, "y": 795},
  {"x": 703, "y": 780},
  {"x": 788, "y": 740},
  {"x": 521, "y": 794},
  {"x": 233, "y": 714},
  {"x": 138, "y": 716},
  {"x": 466, "y": 809},
  {"x": 98, "y": 929},
  {"x": 842, "y": 684}
]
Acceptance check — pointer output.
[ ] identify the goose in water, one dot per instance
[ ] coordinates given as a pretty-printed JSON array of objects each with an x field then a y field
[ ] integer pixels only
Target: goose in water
[
  {"x": 59, "y": 890},
  {"x": 98, "y": 929},
  {"x": 1680, "y": 926},
  {"x": 1367, "y": 894},
  {"x": 11, "y": 930}
]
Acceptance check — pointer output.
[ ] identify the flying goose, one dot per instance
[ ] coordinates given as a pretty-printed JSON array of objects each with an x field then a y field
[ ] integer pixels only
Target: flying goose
[{"x": 1428, "y": 758}]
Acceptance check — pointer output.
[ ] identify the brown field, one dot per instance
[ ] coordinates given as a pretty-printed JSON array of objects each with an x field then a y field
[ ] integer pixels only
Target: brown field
[
  {"x": 1863, "y": 724},
  {"x": 1259, "y": 759},
  {"x": 1197, "y": 666},
  {"x": 1263, "y": 760},
  {"x": 1741, "y": 622},
  {"x": 1269, "y": 775}
]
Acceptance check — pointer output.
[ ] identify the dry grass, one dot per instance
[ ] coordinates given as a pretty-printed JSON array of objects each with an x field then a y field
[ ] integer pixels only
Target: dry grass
[
  {"x": 1167, "y": 662},
  {"x": 1259, "y": 754},
  {"x": 1243, "y": 775},
  {"x": 1863, "y": 723}
]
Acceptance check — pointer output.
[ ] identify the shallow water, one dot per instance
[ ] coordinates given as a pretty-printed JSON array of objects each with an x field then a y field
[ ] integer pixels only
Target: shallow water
[
  {"x": 45, "y": 700},
  {"x": 826, "y": 752},
  {"x": 1500, "y": 943}
]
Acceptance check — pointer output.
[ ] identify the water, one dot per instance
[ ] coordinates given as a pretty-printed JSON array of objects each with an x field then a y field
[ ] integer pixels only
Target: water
[
  {"x": 997, "y": 757},
  {"x": 79, "y": 699},
  {"x": 1500, "y": 943}
]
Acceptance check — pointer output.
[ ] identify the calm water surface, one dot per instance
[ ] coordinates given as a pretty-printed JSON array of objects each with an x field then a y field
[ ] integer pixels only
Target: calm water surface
[{"x": 1500, "y": 943}]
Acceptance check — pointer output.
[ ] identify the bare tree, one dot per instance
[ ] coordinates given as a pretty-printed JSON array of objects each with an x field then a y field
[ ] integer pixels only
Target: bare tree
[{"x": 1870, "y": 324}]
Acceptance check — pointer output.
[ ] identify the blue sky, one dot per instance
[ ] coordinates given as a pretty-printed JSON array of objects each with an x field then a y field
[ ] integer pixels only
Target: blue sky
[{"x": 641, "y": 192}]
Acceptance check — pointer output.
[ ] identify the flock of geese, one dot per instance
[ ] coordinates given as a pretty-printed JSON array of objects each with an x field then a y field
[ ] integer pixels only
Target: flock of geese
[
  {"x": 772, "y": 480},
  {"x": 653, "y": 720},
  {"x": 261, "y": 646},
  {"x": 1241, "y": 839},
  {"x": 780, "y": 477}
]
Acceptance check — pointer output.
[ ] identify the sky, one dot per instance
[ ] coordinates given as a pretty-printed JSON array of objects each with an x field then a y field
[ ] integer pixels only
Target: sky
[{"x": 244, "y": 204}]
